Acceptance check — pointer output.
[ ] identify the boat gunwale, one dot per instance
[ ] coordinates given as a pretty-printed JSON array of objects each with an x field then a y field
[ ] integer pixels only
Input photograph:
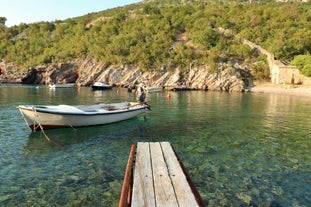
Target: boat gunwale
[{"x": 82, "y": 113}]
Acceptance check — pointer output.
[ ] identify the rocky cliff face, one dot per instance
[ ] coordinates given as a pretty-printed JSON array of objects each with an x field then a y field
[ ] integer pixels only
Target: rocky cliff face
[{"x": 86, "y": 72}]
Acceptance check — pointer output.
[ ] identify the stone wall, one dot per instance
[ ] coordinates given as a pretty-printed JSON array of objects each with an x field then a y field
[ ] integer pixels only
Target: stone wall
[
  {"x": 287, "y": 74},
  {"x": 280, "y": 72}
]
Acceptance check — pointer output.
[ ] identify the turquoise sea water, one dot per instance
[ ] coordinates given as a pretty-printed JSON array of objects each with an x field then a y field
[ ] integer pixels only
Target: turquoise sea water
[{"x": 239, "y": 149}]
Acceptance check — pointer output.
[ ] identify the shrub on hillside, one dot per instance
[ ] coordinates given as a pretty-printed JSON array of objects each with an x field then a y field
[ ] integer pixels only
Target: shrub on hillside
[{"x": 303, "y": 62}]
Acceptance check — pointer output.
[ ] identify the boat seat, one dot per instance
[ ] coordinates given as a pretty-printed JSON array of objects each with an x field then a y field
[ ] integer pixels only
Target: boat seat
[{"x": 109, "y": 108}]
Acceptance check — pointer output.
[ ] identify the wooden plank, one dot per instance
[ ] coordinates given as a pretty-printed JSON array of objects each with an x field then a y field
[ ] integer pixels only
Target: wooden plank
[
  {"x": 164, "y": 191},
  {"x": 143, "y": 192},
  {"x": 182, "y": 188},
  {"x": 160, "y": 179}
]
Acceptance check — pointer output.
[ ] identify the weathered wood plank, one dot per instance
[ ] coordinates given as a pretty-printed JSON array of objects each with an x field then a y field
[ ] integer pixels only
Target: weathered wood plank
[
  {"x": 160, "y": 179},
  {"x": 143, "y": 192},
  {"x": 164, "y": 191},
  {"x": 182, "y": 188}
]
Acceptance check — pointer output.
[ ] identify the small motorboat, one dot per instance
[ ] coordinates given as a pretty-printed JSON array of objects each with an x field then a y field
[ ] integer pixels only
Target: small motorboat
[
  {"x": 101, "y": 86},
  {"x": 66, "y": 85},
  {"x": 150, "y": 89},
  {"x": 60, "y": 116}
]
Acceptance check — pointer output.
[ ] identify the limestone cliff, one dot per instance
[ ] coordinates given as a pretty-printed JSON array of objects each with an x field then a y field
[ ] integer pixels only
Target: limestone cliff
[{"x": 85, "y": 72}]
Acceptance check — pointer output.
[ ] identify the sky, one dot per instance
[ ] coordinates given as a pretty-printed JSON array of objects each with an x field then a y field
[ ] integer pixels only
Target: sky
[{"x": 31, "y": 11}]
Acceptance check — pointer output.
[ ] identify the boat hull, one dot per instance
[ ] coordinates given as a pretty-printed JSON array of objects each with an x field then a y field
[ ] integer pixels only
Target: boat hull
[
  {"x": 68, "y": 85},
  {"x": 153, "y": 89},
  {"x": 36, "y": 119},
  {"x": 101, "y": 87}
]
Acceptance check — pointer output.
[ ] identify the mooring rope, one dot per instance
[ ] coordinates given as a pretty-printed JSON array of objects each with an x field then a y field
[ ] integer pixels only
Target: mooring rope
[
  {"x": 71, "y": 125},
  {"x": 39, "y": 124},
  {"x": 41, "y": 128}
]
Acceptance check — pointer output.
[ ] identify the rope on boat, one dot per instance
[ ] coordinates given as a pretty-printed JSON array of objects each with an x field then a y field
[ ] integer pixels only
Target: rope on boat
[
  {"x": 39, "y": 124},
  {"x": 71, "y": 125},
  {"x": 41, "y": 128}
]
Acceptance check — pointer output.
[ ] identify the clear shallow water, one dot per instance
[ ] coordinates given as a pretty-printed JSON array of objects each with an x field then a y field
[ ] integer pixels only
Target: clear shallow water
[{"x": 239, "y": 149}]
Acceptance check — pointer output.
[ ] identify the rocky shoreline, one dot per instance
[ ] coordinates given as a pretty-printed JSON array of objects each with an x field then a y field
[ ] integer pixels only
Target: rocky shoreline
[{"x": 85, "y": 72}]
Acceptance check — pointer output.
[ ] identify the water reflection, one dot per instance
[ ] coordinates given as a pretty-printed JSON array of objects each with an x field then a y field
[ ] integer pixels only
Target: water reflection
[
  {"x": 283, "y": 114},
  {"x": 62, "y": 139},
  {"x": 54, "y": 140}
]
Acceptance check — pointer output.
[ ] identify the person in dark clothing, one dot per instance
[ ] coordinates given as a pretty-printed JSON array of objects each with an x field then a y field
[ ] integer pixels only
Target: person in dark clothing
[{"x": 141, "y": 93}]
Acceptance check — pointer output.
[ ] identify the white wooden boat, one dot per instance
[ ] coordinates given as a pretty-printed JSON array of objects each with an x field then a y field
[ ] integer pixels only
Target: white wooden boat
[
  {"x": 150, "y": 89},
  {"x": 66, "y": 85},
  {"x": 101, "y": 86},
  {"x": 60, "y": 116}
]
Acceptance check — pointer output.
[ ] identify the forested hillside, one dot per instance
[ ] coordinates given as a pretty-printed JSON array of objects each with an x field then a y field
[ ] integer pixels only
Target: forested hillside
[{"x": 156, "y": 34}]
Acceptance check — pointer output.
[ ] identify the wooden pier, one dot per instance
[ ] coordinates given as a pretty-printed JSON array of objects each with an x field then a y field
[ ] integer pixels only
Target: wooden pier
[{"x": 157, "y": 178}]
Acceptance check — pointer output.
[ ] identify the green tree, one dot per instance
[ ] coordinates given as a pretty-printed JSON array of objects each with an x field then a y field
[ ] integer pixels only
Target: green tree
[
  {"x": 2, "y": 20},
  {"x": 303, "y": 62}
]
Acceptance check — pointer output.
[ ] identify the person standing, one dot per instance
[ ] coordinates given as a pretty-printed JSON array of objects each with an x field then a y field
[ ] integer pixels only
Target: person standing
[{"x": 140, "y": 93}]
